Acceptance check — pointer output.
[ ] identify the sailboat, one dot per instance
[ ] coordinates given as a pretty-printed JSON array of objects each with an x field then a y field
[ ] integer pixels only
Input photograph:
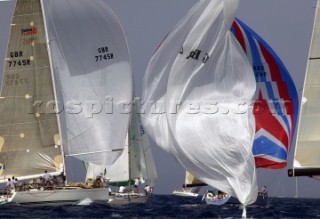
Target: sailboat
[
  {"x": 306, "y": 157},
  {"x": 191, "y": 187},
  {"x": 193, "y": 87},
  {"x": 276, "y": 100},
  {"x": 136, "y": 162},
  {"x": 63, "y": 59}
]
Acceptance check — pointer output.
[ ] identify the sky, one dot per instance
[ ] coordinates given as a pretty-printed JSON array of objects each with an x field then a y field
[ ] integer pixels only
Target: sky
[{"x": 286, "y": 25}]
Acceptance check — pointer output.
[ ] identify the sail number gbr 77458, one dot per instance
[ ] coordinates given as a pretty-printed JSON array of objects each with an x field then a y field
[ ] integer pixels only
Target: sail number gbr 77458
[{"x": 104, "y": 54}]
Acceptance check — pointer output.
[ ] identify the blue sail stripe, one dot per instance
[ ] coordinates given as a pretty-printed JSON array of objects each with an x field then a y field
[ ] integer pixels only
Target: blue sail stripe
[
  {"x": 254, "y": 50},
  {"x": 277, "y": 105},
  {"x": 264, "y": 145},
  {"x": 232, "y": 30}
]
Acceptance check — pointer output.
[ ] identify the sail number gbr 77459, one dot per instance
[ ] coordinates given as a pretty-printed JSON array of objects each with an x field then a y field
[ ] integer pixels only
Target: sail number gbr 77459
[{"x": 104, "y": 54}]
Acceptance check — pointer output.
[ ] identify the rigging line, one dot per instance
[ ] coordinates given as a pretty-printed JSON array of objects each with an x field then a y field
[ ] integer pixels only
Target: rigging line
[{"x": 279, "y": 182}]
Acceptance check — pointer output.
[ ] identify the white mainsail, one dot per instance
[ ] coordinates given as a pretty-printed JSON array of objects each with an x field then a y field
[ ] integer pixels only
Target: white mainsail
[
  {"x": 92, "y": 75},
  {"x": 197, "y": 89},
  {"x": 307, "y": 153}
]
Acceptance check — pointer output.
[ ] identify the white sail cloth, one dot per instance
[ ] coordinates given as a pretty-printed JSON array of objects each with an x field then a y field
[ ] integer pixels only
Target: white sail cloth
[
  {"x": 92, "y": 76},
  {"x": 136, "y": 161},
  {"x": 27, "y": 135},
  {"x": 197, "y": 92},
  {"x": 308, "y": 138}
]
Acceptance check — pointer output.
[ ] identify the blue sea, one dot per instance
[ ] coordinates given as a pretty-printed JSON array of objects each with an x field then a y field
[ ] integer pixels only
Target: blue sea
[{"x": 168, "y": 206}]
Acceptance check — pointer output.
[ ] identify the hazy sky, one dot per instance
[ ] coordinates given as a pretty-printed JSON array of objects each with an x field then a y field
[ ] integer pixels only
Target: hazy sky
[{"x": 285, "y": 24}]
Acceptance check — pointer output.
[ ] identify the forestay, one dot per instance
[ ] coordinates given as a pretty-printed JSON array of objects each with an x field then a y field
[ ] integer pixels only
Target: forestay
[
  {"x": 92, "y": 76},
  {"x": 197, "y": 91}
]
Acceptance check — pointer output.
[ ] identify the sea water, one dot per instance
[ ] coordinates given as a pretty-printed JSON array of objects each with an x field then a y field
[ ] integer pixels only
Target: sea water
[{"x": 168, "y": 206}]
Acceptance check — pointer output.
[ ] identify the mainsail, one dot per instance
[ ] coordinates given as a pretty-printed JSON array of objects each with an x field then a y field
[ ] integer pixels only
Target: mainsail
[
  {"x": 28, "y": 136},
  {"x": 307, "y": 157},
  {"x": 192, "y": 181},
  {"x": 193, "y": 88},
  {"x": 276, "y": 100}
]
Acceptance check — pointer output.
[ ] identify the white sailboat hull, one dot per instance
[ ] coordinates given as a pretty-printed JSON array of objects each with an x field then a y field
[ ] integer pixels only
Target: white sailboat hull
[
  {"x": 184, "y": 193},
  {"x": 127, "y": 198},
  {"x": 59, "y": 196},
  {"x": 214, "y": 200}
]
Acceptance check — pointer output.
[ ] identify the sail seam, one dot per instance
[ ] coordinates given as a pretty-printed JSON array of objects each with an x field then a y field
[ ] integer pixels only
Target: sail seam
[
  {"x": 20, "y": 15},
  {"x": 22, "y": 123},
  {"x": 95, "y": 152},
  {"x": 29, "y": 69}
]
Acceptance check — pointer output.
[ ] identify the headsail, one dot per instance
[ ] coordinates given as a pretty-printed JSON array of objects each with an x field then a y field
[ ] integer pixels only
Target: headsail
[
  {"x": 28, "y": 135},
  {"x": 193, "y": 88},
  {"x": 141, "y": 159},
  {"x": 92, "y": 76},
  {"x": 276, "y": 100},
  {"x": 136, "y": 161},
  {"x": 307, "y": 153}
]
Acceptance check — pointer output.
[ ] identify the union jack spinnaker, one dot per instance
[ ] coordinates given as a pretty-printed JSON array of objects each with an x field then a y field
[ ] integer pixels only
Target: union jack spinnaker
[{"x": 275, "y": 103}]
